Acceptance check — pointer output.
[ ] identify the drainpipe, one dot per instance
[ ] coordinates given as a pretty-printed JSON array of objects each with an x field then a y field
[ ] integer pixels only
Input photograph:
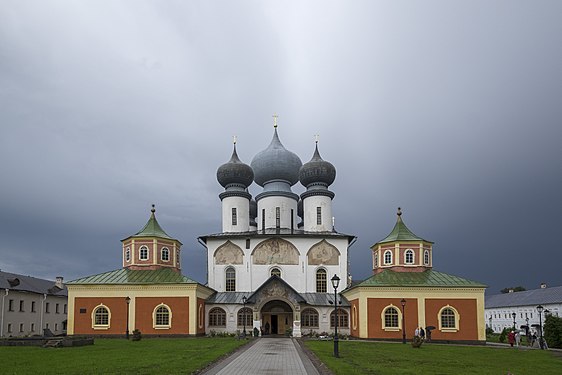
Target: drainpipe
[
  {"x": 2, "y": 323},
  {"x": 42, "y": 310}
]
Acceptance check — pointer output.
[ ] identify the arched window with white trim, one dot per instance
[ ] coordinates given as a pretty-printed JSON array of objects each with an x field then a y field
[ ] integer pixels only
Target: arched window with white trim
[
  {"x": 162, "y": 317},
  {"x": 276, "y": 271},
  {"x": 376, "y": 259},
  {"x": 165, "y": 254},
  {"x": 230, "y": 277},
  {"x": 128, "y": 254},
  {"x": 426, "y": 257},
  {"x": 309, "y": 318},
  {"x": 143, "y": 253},
  {"x": 409, "y": 256},
  {"x": 391, "y": 317},
  {"x": 321, "y": 281},
  {"x": 449, "y": 319},
  {"x": 101, "y": 317},
  {"x": 388, "y": 257}
]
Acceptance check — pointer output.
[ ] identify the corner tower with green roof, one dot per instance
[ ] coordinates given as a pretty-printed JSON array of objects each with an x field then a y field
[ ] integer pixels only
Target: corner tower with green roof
[
  {"x": 402, "y": 250},
  {"x": 151, "y": 248}
]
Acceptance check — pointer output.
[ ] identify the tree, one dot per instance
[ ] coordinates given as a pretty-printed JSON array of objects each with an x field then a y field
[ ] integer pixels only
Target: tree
[
  {"x": 515, "y": 289},
  {"x": 553, "y": 331}
]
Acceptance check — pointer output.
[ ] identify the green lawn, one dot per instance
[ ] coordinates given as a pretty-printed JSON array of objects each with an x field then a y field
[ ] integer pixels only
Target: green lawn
[
  {"x": 117, "y": 356},
  {"x": 364, "y": 357}
]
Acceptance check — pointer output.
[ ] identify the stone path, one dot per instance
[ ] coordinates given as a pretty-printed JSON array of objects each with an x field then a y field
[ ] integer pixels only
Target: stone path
[{"x": 272, "y": 356}]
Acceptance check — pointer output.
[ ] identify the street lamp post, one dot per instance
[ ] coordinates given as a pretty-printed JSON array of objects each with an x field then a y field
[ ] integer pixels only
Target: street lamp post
[
  {"x": 540, "y": 310},
  {"x": 335, "y": 284},
  {"x": 128, "y": 300},
  {"x": 513, "y": 315},
  {"x": 403, "y": 302},
  {"x": 244, "y": 299}
]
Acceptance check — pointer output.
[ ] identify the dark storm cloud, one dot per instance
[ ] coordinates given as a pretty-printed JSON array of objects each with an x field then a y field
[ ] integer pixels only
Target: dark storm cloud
[{"x": 448, "y": 109}]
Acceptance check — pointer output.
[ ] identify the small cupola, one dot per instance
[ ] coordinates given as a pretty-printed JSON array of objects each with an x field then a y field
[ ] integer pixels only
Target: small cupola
[
  {"x": 402, "y": 250},
  {"x": 151, "y": 248}
]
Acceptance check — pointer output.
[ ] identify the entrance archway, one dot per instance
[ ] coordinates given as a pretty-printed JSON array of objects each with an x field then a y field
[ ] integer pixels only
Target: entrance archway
[{"x": 277, "y": 317}]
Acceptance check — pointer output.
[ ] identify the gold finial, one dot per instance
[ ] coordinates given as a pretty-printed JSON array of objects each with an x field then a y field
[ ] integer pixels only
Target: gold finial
[
  {"x": 399, "y": 213},
  {"x": 234, "y": 139},
  {"x": 153, "y": 210},
  {"x": 275, "y": 116},
  {"x": 316, "y": 137}
]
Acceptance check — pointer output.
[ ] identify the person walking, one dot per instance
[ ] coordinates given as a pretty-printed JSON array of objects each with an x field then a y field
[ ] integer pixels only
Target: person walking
[
  {"x": 422, "y": 333},
  {"x": 511, "y": 338},
  {"x": 517, "y": 338},
  {"x": 417, "y": 331}
]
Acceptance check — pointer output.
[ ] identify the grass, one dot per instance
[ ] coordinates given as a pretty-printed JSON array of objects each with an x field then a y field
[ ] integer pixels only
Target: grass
[
  {"x": 115, "y": 356},
  {"x": 365, "y": 357}
]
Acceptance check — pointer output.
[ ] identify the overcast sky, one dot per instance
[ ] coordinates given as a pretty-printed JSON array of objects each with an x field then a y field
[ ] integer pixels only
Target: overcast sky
[{"x": 451, "y": 110}]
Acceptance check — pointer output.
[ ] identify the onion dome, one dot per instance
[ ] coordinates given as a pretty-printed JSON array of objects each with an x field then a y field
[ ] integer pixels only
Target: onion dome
[
  {"x": 235, "y": 172},
  {"x": 276, "y": 163},
  {"x": 317, "y": 171}
]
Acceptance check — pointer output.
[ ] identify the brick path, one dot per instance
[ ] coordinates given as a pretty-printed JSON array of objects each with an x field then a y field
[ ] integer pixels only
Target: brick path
[{"x": 272, "y": 356}]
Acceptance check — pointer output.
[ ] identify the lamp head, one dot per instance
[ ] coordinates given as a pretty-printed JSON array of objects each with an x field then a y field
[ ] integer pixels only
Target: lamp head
[
  {"x": 403, "y": 302},
  {"x": 335, "y": 281},
  {"x": 540, "y": 309},
  {"x": 128, "y": 299},
  {"x": 244, "y": 299}
]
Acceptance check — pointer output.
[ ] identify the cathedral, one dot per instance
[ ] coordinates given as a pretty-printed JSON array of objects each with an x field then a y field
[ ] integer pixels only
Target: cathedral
[{"x": 272, "y": 268}]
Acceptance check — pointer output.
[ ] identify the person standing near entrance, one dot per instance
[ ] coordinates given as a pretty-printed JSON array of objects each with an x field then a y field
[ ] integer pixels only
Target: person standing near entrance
[{"x": 267, "y": 328}]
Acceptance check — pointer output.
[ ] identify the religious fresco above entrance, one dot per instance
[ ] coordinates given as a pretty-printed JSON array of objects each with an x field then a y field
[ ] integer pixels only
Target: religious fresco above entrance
[
  {"x": 229, "y": 253},
  {"x": 323, "y": 253},
  {"x": 275, "y": 251}
]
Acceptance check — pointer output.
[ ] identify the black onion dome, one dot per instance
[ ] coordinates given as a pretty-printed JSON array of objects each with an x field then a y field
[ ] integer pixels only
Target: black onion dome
[
  {"x": 276, "y": 163},
  {"x": 235, "y": 172},
  {"x": 317, "y": 170}
]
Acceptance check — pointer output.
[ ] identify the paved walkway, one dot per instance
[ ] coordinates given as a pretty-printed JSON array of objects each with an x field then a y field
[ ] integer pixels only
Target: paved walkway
[{"x": 267, "y": 355}]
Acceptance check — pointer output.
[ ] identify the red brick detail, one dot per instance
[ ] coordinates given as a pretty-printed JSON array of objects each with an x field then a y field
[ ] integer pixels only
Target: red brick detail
[
  {"x": 83, "y": 321},
  {"x": 468, "y": 324},
  {"x": 179, "y": 307},
  {"x": 375, "y": 307}
]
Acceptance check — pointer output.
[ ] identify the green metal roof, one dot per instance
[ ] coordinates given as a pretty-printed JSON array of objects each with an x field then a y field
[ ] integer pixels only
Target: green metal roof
[
  {"x": 152, "y": 228},
  {"x": 400, "y": 232},
  {"x": 127, "y": 276},
  {"x": 428, "y": 278}
]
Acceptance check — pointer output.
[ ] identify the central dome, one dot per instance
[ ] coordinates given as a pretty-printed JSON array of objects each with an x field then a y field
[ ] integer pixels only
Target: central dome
[{"x": 276, "y": 163}]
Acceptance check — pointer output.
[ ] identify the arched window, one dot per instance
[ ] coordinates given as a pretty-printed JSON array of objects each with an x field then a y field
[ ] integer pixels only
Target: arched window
[
  {"x": 230, "y": 279},
  {"x": 162, "y": 317},
  {"x": 354, "y": 317},
  {"x": 391, "y": 318},
  {"x": 165, "y": 254},
  {"x": 178, "y": 257},
  {"x": 343, "y": 319},
  {"x": 101, "y": 317},
  {"x": 128, "y": 254},
  {"x": 376, "y": 259},
  {"x": 245, "y": 317},
  {"x": 143, "y": 253},
  {"x": 426, "y": 257},
  {"x": 448, "y": 319},
  {"x": 309, "y": 318},
  {"x": 276, "y": 272},
  {"x": 321, "y": 281},
  {"x": 388, "y": 257},
  {"x": 409, "y": 256},
  {"x": 217, "y": 317}
]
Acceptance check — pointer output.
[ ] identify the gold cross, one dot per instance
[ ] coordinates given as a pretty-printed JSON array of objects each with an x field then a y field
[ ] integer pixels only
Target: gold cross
[{"x": 275, "y": 116}]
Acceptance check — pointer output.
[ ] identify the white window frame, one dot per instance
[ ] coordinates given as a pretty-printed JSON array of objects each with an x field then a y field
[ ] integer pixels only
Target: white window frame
[
  {"x": 325, "y": 281},
  {"x": 143, "y": 247},
  {"x": 409, "y": 251},
  {"x": 101, "y": 326},
  {"x": 457, "y": 319},
  {"x": 166, "y": 251},
  {"x": 390, "y": 257},
  {"x": 383, "y": 320},
  {"x": 426, "y": 257},
  {"x": 128, "y": 254},
  {"x": 162, "y": 326},
  {"x": 227, "y": 279}
]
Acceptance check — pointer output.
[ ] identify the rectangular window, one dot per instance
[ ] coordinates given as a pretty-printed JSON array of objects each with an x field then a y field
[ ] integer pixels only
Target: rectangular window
[
  {"x": 234, "y": 217},
  {"x": 21, "y": 305},
  {"x": 11, "y": 305},
  {"x": 21, "y": 327},
  {"x": 277, "y": 217},
  {"x": 263, "y": 219},
  {"x": 318, "y": 215},
  {"x": 32, "y": 327},
  {"x": 65, "y": 311},
  {"x": 57, "y": 309},
  {"x": 82, "y": 311},
  {"x": 56, "y": 326},
  {"x": 47, "y": 325},
  {"x": 292, "y": 219},
  {"x": 9, "y": 328},
  {"x": 32, "y": 306},
  {"x": 47, "y": 307}
]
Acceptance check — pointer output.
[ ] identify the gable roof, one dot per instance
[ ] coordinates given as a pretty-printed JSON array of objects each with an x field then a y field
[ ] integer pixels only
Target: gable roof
[
  {"x": 13, "y": 281},
  {"x": 128, "y": 276},
  {"x": 271, "y": 280},
  {"x": 427, "y": 278},
  {"x": 533, "y": 297}
]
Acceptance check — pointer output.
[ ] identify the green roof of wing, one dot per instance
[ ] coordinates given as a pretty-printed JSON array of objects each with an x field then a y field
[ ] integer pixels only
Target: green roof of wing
[
  {"x": 127, "y": 276},
  {"x": 152, "y": 228},
  {"x": 400, "y": 232},
  {"x": 428, "y": 278}
]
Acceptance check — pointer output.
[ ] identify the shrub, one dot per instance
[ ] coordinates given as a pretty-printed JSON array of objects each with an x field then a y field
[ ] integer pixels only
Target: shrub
[
  {"x": 553, "y": 331},
  {"x": 137, "y": 335}
]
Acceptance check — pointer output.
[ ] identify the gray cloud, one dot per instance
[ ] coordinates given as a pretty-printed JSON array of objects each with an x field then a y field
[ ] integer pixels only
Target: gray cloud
[{"x": 448, "y": 109}]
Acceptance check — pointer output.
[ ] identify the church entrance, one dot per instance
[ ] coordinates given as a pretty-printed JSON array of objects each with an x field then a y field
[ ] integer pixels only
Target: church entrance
[{"x": 277, "y": 318}]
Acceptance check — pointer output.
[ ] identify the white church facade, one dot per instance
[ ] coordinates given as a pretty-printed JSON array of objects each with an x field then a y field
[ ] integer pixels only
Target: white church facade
[{"x": 273, "y": 261}]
